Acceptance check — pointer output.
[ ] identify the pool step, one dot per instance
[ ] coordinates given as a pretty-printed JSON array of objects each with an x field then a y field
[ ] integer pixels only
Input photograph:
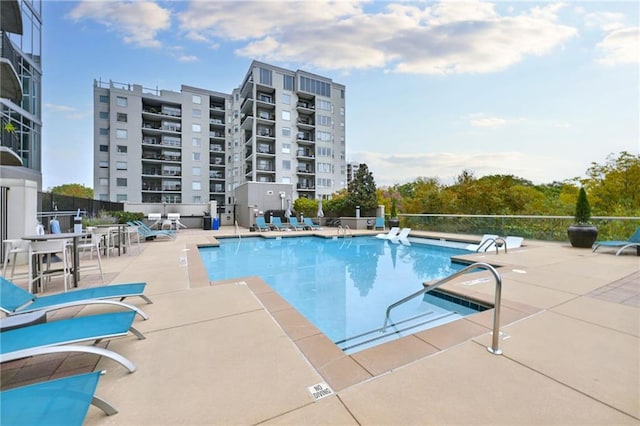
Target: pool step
[{"x": 394, "y": 330}]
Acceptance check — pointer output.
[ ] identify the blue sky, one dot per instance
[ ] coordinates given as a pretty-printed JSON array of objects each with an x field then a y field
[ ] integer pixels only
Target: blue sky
[{"x": 539, "y": 90}]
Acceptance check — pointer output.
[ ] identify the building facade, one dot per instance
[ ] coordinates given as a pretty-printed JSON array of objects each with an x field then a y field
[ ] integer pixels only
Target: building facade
[
  {"x": 20, "y": 90},
  {"x": 197, "y": 145}
]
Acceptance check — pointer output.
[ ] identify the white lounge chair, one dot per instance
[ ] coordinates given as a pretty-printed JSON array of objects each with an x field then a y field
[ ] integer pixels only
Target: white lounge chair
[
  {"x": 402, "y": 237},
  {"x": 393, "y": 232}
]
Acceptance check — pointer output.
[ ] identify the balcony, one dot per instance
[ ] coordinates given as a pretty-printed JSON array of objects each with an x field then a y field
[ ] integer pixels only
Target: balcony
[
  {"x": 305, "y": 153},
  {"x": 217, "y": 135},
  {"x": 305, "y": 186},
  {"x": 304, "y": 169},
  {"x": 10, "y": 86},
  {"x": 305, "y": 105}
]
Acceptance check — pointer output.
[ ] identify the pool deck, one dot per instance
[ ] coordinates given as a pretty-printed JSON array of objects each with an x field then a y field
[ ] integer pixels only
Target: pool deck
[{"x": 233, "y": 352}]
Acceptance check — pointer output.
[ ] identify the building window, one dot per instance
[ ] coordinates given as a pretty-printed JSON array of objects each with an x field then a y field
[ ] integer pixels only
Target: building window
[
  {"x": 196, "y": 99},
  {"x": 265, "y": 76},
  {"x": 121, "y": 101},
  {"x": 121, "y": 197},
  {"x": 195, "y": 156},
  {"x": 195, "y": 142},
  {"x": 104, "y": 99},
  {"x": 323, "y": 136},
  {"x": 104, "y": 181},
  {"x": 286, "y": 131},
  {"x": 341, "y": 110},
  {"x": 121, "y": 165},
  {"x": 104, "y": 115},
  {"x": 104, "y": 197},
  {"x": 286, "y": 180},
  {"x": 286, "y": 164},
  {"x": 195, "y": 128},
  {"x": 122, "y": 149},
  {"x": 324, "y": 105},
  {"x": 196, "y": 113},
  {"x": 311, "y": 85},
  {"x": 197, "y": 199},
  {"x": 287, "y": 82},
  {"x": 104, "y": 164},
  {"x": 323, "y": 120},
  {"x": 196, "y": 186},
  {"x": 121, "y": 182},
  {"x": 104, "y": 148},
  {"x": 104, "y": 132},
  {"x": 121, "y": 134},
  {"x": 121, "y": 117},
  {"x": 195, "y": 171},
  {"x": 286, "y": 99},
  {"x": 286, "y": 148},
  {"x": 286, "y": 115}
]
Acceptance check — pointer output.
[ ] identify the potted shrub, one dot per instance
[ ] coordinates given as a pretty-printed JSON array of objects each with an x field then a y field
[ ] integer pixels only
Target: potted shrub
[
  {"x": 393, "y": 216},
  {"x": 582, "y": 234}
]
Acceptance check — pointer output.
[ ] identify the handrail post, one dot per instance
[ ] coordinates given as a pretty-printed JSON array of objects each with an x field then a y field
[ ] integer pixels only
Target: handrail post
[{"x": 495, "y": 345}]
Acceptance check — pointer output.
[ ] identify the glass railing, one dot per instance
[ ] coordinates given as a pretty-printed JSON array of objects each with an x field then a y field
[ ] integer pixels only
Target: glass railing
[{"x": 547, "y": 228}]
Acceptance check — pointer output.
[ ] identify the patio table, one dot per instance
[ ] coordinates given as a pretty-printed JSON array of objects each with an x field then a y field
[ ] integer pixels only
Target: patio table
[{"x": 64, "y": 236}]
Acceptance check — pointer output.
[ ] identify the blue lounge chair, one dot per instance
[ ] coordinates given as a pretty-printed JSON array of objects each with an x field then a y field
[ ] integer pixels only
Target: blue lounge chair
[
  {"x": 379, "y": 223},
  {"x": 633, "y": 241},
  {"x": 310, "y": 224},
  {"x": 14, "y": 300},
  {"x": 295, "y": 224},
  {"x": 261, "y": 224},
  {"x": 63, "y": 401},
  {"x": 60, "y": 336},
  {"x": 277, "y": 223},
  {"x": 150, "y": 234}
]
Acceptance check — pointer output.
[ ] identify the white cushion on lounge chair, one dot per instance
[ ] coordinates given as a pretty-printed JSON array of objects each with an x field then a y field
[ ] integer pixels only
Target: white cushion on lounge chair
[{"x": 393, "y": 232}]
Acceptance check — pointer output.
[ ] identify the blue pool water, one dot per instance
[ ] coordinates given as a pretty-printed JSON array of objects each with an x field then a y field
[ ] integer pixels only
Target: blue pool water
[{"x": 345, "y": 285}]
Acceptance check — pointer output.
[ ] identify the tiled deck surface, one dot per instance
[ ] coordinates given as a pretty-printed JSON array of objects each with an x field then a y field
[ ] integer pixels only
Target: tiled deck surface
[{"x": 235, "y": 353}]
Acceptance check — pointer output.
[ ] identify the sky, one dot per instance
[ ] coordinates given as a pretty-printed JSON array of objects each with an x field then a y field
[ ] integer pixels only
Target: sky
[{"x": 538, "y": 90}]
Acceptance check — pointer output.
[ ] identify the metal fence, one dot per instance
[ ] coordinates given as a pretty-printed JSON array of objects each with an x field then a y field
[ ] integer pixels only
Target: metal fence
[{"x": 64, "y": 208}]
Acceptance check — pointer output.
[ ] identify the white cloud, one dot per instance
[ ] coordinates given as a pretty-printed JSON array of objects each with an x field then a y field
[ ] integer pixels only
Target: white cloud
[
  {"x": 59, "y": 108},
  {"x": 420, "y": 38},
  {"x": 481, "y": 120},
  {"x": 605, "y": 21},
  {"x": 620, "y": 47},
  {"x": 137, "y": 22},
  {"x": 391, "y": 169}
]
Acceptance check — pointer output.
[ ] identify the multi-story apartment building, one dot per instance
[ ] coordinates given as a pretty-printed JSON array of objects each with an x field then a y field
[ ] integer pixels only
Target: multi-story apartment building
[
  {"x": 198, "y": 145},
  {"x": 20, "y": 94},
  {"x": 352, "y": 170}
]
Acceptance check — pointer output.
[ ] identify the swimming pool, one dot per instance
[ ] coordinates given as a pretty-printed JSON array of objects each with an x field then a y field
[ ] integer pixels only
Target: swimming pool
[{"x": 344, "y": 286}]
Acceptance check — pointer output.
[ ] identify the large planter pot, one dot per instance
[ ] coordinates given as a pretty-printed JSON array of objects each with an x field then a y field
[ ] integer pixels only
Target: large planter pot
[
  {"x": 394, "y": 221},
  {"x": 582, "y": 236}
]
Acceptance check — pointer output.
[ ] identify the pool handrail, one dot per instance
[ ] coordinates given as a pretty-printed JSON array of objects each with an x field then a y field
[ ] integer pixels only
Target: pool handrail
[
  {"x": 495, "y": 242},
  {"x": 495, "y": 345}
]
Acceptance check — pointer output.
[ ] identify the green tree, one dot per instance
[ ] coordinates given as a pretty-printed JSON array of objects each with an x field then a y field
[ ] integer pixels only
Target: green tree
[
  {"x": 306, "y": 206},
  {"x": 73, "y": 190},
  {"x": 362, "y": 192},
  {"x": 614, "y": 186},
  {"x": 583, "y": 209}
]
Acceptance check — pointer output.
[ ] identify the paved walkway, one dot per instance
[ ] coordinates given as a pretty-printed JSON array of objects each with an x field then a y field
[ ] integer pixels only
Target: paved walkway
[{"x": 235, "y": 353}]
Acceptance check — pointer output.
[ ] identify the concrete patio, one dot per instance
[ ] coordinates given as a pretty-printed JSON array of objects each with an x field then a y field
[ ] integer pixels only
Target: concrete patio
[{"x": 234, "y": 352}]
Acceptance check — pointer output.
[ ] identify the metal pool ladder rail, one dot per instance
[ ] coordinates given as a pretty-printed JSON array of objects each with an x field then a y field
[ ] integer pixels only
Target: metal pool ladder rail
[
  {"x": 495, "y": 346},
  {"x": 497, "y": 243},
  {"x": 344, "y": 230}
]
